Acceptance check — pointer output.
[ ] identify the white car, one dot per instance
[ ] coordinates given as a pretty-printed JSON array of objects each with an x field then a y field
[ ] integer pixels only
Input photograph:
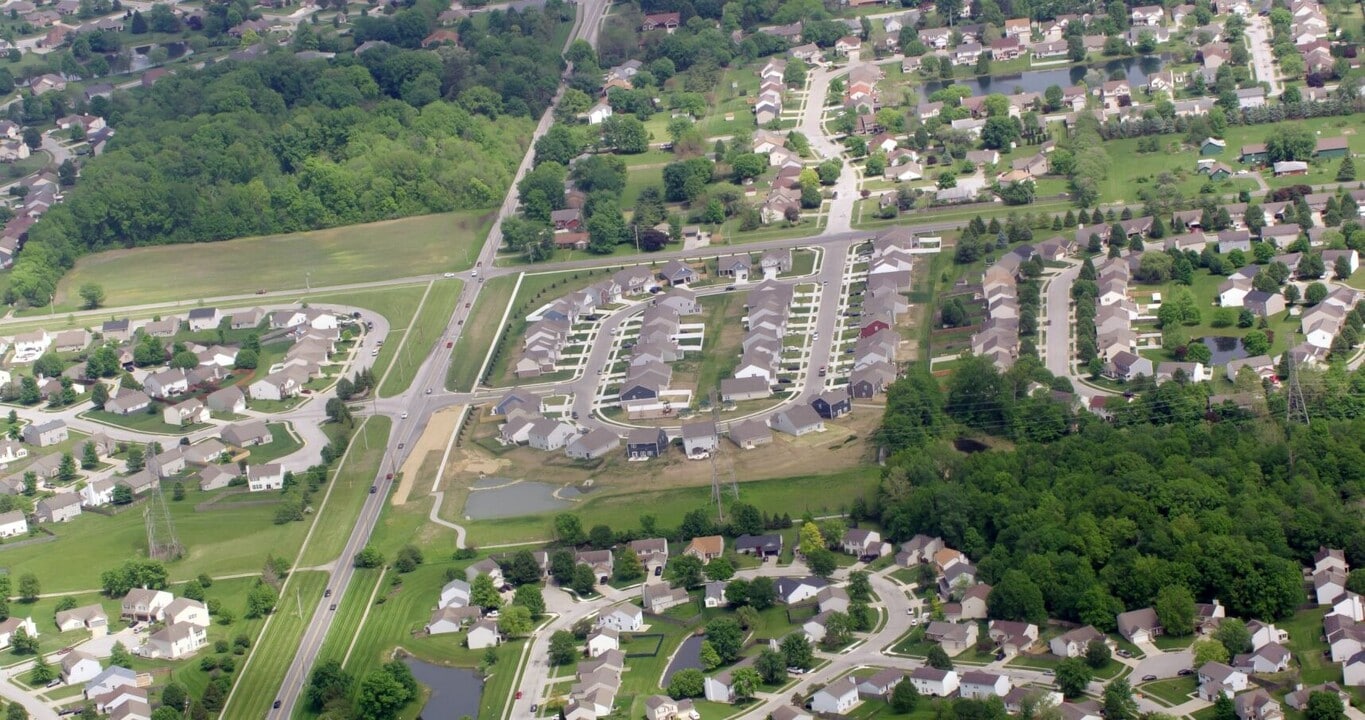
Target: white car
[
  {"x": 404, "y": 416},
  {"x": 448, "y": 275}
]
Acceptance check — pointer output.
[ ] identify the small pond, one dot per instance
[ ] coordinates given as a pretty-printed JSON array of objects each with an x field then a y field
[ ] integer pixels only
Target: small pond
[
  {"x": 1224, "y": 349},
  {"x": 1135, "y": 70},
  {"x": 969, "y": 446},
  {"x": 455, "y": 692},
  {"x": 494, "y": 497}
]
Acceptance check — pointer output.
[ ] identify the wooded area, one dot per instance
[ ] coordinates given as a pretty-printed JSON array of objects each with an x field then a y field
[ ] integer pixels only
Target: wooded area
[
  {"x": 282, "y": 145},
  {"x": 1229, "y": 503}
]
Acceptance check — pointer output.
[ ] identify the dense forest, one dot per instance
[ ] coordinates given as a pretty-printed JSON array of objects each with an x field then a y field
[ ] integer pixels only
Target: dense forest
[
  {"x": 281, "y": 144},
  {"x": 1100, "y": 516}
]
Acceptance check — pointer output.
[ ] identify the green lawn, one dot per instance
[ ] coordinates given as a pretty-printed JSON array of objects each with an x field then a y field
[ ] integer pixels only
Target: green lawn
[
  {"x": 1205, "y": 289},
  {"x": 477, "y": 337},
  {"x": 1171, "y": 642},
  {"x": 427, "y": 329},
  {"x": 145, "y": 422},
  {"x": 1307, "y": 645},
  {"x": 1173, "y": 691},
  {"x": 397, "y": 305},
  {"x": 637, "y": 180},
  {"x": 536, "y": 289},
  {"x": 349, "y": 487},
  {"x": 350, "y": 608},
  {"x": 720, "y": 313},
  {"x": 358, "y": 253},
  {"x": 282, "y": 443},
  {"x": 260, "y": 679},
  {"x": 794, "y": 496}
]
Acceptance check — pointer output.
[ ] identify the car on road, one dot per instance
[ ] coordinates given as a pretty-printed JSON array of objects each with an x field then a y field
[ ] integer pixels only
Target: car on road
[
  {"x": 575, "y": 415},
  {"x": 1148, "y": 678},
  {"x": 404, "y": 416},
  {"x": 518, "y": 694},
  {"x": 374, "y": 352},
  {"x": 729, "y": 288},
  {"x": 327, "y": 592},
  {"x": 1123, "y": 653},
  {"x": 428, "y": 391},
  {"x": 448, "y": 275},
  {"x": 400, "y": 445},
  {"x": 277, "y": 705},
  {"x": 1185, "y": 672},
  {"x": 333, "y": 607},
  {"x": 261, "y": 291},
  {"x": 388, "y": 476},
  {"x": 823, "y": 370},
  {"x": 450, "y": 344},
  {"x": 374, "y": 489},
  {"x": 534, "y": 707}
]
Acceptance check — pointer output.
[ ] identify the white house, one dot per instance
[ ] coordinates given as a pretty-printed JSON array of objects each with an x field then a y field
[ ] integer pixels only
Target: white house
[
  {"x": 269, "y": 476},
  {"x": 483, "y": 634},
  {"x": 175, "y": 641},
  {"x": 935, "y": 682},
  {"x": 603, "y": 639},
  {"x": 79, "y": 667},
  {"x": 839, "y": 696},
  {"x": 1073, "y": 643},
  {"x": 1217, "y": 678},
  {"x": 145, "y": 605},
  {"x": 456, "y": 593},
  {"x": 623, "y": 618},
  {"x": 979, "y": 685},
  {"x": 185, "y": 610},
  {"x": 13, "y": 523},
  {"x": 8, "y": 627},
  {"x": 598, "y": 113}
]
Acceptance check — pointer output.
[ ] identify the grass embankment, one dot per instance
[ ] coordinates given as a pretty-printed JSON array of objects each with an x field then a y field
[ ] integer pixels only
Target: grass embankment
[
  {"x": 410, "y": 345},
  {"x": 479, "y": 332}
]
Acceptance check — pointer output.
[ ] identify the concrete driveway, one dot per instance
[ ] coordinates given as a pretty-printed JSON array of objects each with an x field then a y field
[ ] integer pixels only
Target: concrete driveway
[{"x": 1163, "y": 665}]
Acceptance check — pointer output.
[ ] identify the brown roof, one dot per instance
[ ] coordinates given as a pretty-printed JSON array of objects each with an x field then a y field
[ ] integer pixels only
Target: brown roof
[{"x": 707, "y": 545}]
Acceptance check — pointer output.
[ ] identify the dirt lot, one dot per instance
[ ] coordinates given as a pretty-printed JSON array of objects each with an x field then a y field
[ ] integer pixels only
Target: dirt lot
[
  {"x": 844, "y": 444},
  {"x": 427, "y": 451}
]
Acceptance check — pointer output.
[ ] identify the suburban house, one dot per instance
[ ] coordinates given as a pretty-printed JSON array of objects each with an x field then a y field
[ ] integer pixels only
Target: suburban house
[
  {"x": 625, "y": 617},
  {"x": 934, "y": 682},
  {"x": 597, "y": 443},
  {"x": 45, "y": 434},
  {"x": 13, "y": 523},
  {"x": 659, "y": 597},
  {"x": 8, "y": 628},
  {"x": 706, "y": 547},
  {"x": 762, "y": 546},
  {"x": 980, "y": 685},
  {"x": 646, "y": 443},
  {"x": 79, "y": 667},
  {"x": 1073, "y": 643},
  {"x": 483, "y": 634},
  {"x": 602, "y": 640},
  {"x": 85, "y": 617},
  {"x": 144, "y": 605},
  {"x": 1217, "y": 678},
  {"x": 58, "y": 508},
  {"x": 175, "y": 641},
  {"x": 127, "y": 402},
  {"x": 839, "y": 696},
  {"x": 246, "y": 434},
  {"x": 863, "y": 543},
  {"x": 952, "y": 637},
  {"x": 792, "y": 590},
  {"x": 1139, "y": 626},
  {"x": 260, "y": 478}
]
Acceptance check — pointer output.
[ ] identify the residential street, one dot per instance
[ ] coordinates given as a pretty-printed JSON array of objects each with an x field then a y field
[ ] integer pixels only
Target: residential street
[{"x": 1258, "y": 35}]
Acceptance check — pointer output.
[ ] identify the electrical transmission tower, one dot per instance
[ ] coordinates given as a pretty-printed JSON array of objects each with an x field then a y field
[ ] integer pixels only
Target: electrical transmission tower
[
  {"x": 1295, "y": 408},
  {"x": 162, "y": 541},
  {"x": 722, "y": 470}
]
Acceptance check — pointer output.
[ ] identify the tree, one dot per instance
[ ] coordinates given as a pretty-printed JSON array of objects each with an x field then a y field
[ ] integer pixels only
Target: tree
[
  {"x": 937, "y": 658},
  {"x": 92, "y": 296},
  {"x": 1290, "y": 141},
  {"x": 531, "y": 598},
  {"x": 859, "y": 586},
  {"x": 43, "y": 671},
  {"x": 563, "y": 648},
  {"x": 688, "y": 683},
  {"x": 1097, "y": 654},
  {"x": 1175, "y": 610},
  {"x": 772, "y": 667},
  {"x": 260, "y": 600},
  {"x": 21, "y": 643},
  {"x": 408, "y": 558},
  {"x": 810, "y": 539},
  {"x": 1316, "y": 293},
  {"x": 66, "y": 468},
  {"x": 99, "y": 395},
  {"x": 627, "y": 565},
  {"x": 1324, "y": 705},
  {"x": 762, "y": 593},
  {"x": 17, "y": 712},
  {"x": 797, "y": 651},
  {"x": 1073, "y": 676},
  {"x": 569, "y": 529},
  {"x": 327, "y": 684},
  {"x": 1017, "y": 597},
  {"x": 515, "y": 621},
  {"x": 483, "y": 594},
  {"x": 822, "y": 563},
  {"x": 726, "y": 637},
  {"x": 904, "y": 698},
  {"x": 685, "y": 571},
  {"x": 1206, "y": 651},
  {"x": 708, "y": 657},
  {"x": 999, "y": 132},
  {"x": 174, "y": 695},
  {"x": 1118, "y": 700},
  {"x": 385, "y": 691},
  {"x": 719, "y": 569},
  {"x": 584, "y": 579},
  {"x": 120, "y": 657},
  {"x": 1223, "y": 708},
  {"x": 1345, "y": 173},
  {"x": 523, "y": 569},
  {"x": 368, "y": 557},
  {"x": 29, "y": 589},
  {"x": 744, "y": 682}
]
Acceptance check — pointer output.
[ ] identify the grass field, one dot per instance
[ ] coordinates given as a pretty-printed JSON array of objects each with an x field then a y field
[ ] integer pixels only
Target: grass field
[
  {"x": 1172, "y": 691},
  {"x": 258, "y": 682},
  {"x": 535, "y": 290},
  {"x": 1307, "y": 645},
  {"x": 282, "y": 443},
  {"x": 477, "y": 336},
  {"x": 411, "y": 344},
  {"x": 721, "y": 345},
  {"x": 795, "y": 496},
  {"x": 350, "y": 486},
  {"x": 397, "y": 305},
  {"x": 358, "y": 253}
]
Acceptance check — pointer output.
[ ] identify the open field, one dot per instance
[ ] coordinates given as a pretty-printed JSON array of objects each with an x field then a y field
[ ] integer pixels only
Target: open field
[
  {"x": 417, "y": 339},
  {"x": 795, "y": 496},
  {"x": 397, "y": 304},
  {"x": 269, "y": 660},
  {"x": 478, "y": 335},
  {"x": 358, "y": 253}
]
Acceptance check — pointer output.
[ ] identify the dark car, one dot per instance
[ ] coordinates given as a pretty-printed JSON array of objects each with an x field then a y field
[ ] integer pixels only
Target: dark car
[
  {"x": 374, "y": 489},
  {"x": 276, "y": 705},
  {"x": 1148, "y": 678},
  {"x": 327, "y": 592},
  {"x": 1185, "y": 672}
]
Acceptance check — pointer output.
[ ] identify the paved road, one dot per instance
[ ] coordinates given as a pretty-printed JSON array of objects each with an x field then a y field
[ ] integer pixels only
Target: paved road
[
  {"x": 414, "y": 408},
  {"x": 1258, "y": 35}
]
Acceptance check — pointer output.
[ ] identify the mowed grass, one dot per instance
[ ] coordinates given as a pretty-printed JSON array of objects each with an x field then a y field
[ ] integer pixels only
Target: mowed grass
[
  {"x": 479, "y": 332},
  {"x": 535, "y": 290},
  {"x": 357, "y": 253},
  {"x": 416, "y": 340},
  {"x": 218, "y": 541},
  {"x": 260, "y": 679},
  {"x": 396, "y": 304},
  {"x": 795, "y": 496},
  {"x": 350, "y": 609},
  {"x": 349, "y": 487}
]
